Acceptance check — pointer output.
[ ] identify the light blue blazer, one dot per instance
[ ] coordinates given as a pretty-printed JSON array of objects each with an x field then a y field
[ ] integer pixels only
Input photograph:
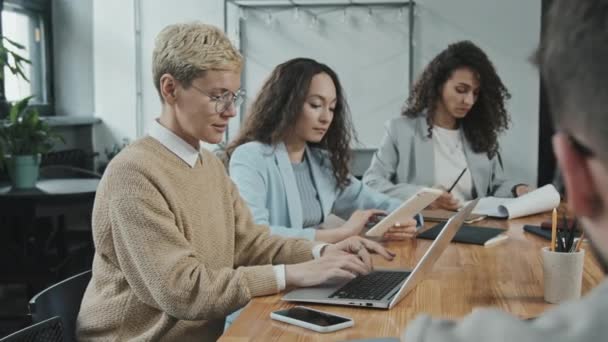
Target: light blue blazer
[
  {"x": 266, "y": 181},
  {"x": 405, "y": 162}
]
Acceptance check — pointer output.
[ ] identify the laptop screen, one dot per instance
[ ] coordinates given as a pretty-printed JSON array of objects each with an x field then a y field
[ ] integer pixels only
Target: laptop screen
[{"x": 434, "y": 252}]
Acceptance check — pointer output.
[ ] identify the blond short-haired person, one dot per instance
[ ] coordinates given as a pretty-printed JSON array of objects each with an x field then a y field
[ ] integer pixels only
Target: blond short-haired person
[{"x": 176, "y": 247}]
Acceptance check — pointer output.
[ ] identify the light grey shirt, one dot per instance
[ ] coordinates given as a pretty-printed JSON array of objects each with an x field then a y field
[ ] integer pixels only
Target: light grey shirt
[
  {"x": 584, "y": 320},
  {"x": 404, "y": 163},
  {"x": 312, "y": 213}
]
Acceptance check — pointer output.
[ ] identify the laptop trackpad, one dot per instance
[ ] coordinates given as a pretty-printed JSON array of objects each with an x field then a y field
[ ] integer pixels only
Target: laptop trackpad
[{"x": 317, "y": 292}]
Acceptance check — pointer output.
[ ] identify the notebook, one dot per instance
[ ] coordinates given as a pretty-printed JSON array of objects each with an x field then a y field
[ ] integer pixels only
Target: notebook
[
  {"x": 540, "y": 200},
  {"x": 483, "y": 236},
  {"x": 442, "y": 215},
  {"x": 544, "y": 233}
]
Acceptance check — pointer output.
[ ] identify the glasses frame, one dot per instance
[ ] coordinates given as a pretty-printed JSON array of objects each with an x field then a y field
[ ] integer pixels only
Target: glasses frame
[
  {"x": 580, "y": 148},
  {"x": 223, "y": 102}
]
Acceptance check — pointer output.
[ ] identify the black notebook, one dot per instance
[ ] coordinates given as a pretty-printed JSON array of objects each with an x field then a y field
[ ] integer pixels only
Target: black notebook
[
  {"x": 468, "y": 234},
  {"x": 544, "y": 233}
]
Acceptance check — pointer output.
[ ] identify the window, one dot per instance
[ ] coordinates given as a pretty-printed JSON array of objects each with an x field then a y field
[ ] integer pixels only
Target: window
[{"x": 28, "y": 24}]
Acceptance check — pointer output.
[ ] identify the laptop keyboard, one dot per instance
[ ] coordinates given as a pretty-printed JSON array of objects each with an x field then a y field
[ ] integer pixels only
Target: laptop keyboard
[{"x": 373, "y": 286}]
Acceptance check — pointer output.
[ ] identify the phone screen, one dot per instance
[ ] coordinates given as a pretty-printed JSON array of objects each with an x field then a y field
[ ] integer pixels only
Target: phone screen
[{"x": 312, "y": 317}]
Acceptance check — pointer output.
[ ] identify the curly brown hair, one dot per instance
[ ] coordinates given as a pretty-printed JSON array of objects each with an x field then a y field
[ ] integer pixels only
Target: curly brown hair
[
  {"x": 488, "y": 116},
  {"x": 277, "y": 106}
]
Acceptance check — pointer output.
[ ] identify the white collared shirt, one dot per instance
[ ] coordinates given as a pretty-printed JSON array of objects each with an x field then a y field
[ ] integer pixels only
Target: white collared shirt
[
  {"x": 174, "y": 143},
  {"x": 190, "y": 155}
]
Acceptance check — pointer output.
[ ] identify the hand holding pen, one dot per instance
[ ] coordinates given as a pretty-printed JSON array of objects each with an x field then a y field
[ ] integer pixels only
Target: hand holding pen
[{"x": 446, "y": 200}]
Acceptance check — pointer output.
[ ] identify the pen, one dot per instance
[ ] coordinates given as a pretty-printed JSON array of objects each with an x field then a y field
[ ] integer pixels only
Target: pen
[
  {"x": 571, "y": 233},
  {"x": 553, "y": 229},
  {"x": 580, "y": 240},
  {"x": 457, "y": 179}
]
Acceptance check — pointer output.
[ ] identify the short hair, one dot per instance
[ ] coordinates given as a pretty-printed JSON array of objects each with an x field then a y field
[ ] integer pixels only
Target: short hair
[
  {"x": 187, "y": 50},
  {"x": 573, "y": 60}
]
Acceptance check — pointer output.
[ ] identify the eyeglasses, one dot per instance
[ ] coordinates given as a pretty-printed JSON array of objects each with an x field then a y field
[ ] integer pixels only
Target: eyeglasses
[
  {"x": 223, "y": 101},
  {"x": 580, "y": 148}
]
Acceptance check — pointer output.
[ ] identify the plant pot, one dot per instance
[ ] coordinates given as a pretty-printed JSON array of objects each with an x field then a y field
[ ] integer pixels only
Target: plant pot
[{"x": 23, "y": 171}]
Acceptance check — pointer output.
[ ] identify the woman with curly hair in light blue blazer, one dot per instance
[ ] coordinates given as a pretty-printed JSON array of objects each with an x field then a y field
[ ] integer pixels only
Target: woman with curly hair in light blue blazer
[{"x": 290, "y": 161}]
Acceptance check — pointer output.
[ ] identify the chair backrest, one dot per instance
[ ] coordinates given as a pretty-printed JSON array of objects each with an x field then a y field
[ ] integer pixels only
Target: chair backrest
[
  {"x": 71, "y": 157},
  {"x": 49, "y": 330},
  {"x": 64, "y": 171},
  {"x": 63, "y": 300}
]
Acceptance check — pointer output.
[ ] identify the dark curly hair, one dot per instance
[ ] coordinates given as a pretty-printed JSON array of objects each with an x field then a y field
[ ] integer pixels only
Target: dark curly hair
[
  {"x": 279, "y": 103},
  {"x": 488, "y": 116}
]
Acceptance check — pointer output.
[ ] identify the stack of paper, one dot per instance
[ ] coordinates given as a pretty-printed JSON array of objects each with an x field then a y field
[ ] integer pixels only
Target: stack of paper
[{"x": 537, "y": 201}]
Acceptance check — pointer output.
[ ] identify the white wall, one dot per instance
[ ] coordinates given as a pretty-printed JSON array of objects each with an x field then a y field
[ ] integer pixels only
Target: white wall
[
  {"x": 369, "y": 54},
  {"x": 509, "y": 32},
  {"x": 114, "y": 70}
]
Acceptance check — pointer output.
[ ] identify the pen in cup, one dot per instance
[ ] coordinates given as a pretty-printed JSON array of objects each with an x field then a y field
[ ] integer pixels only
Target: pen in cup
[{"x": 580, "y": 241}]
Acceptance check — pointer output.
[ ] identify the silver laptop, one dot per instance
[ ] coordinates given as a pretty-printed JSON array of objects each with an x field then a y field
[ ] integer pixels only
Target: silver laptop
[{"x": 384, "y": 287}]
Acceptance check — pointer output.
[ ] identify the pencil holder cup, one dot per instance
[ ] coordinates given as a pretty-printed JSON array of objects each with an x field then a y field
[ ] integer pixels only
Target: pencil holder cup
[{"x": 563, "y": 275}]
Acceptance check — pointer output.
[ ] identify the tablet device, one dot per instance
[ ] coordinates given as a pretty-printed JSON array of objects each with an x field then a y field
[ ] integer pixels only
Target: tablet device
[{"x": 406, "y": 210}]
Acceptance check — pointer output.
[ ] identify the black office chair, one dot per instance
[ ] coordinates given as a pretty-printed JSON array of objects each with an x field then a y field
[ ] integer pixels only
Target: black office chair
[
  {"x": 49, "y": 330},
  {"x": 63, "y": 300},
  {"x": 66, "y": 171},
  {"x": 71, "y": 157}
]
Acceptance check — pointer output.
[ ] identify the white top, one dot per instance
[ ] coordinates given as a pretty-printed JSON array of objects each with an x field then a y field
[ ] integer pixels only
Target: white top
[
  {"x": 190, "y": 155},
  {"x": 174, "y": 143},
  {"x": 450, "y": 161}
]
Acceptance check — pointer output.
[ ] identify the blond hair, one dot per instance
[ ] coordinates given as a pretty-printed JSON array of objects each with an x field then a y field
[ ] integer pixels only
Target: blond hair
[{"x": 187, "y": 50}]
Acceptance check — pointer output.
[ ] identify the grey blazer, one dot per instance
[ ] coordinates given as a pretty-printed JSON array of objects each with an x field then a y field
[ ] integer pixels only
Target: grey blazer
[{"x": 405, "y": 162}]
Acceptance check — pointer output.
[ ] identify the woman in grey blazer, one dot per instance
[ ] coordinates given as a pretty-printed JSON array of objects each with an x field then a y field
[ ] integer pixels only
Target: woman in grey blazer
[
  {"x": 290, "y": 160},
  {"x": 449, "y": 125}
]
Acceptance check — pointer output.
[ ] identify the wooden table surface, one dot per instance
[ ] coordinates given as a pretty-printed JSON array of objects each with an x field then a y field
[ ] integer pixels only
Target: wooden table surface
[{"x": 508, "y": 276}]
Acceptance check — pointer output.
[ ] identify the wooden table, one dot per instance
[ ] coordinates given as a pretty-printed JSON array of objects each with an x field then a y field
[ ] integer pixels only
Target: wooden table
[{"x": 507, "y": 276}]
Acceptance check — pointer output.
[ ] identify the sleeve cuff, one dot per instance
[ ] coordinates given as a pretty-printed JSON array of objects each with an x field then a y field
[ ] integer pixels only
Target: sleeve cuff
[
  {"x": 316, "y": 250},
  {"x": 279, "y": 272}
]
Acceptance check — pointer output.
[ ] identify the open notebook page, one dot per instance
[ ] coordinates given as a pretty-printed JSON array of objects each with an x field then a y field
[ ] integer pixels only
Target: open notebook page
[{"x": 540, "y": 200}]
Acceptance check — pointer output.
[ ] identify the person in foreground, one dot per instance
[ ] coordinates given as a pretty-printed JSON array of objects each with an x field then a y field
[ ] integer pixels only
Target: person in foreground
[
  {"x": 291, "y": 158},
  {"x": 176, "y": 248},
  {"x": 450, "y": 123},
  {"x": 572, "y": 60}
]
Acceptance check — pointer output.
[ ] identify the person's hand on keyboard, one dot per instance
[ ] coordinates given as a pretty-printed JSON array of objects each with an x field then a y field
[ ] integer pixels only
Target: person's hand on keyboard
[
  {"x": 360, "y": 247},
  {"x": 328, "y": 268},
  {"x": 346, "y": 259}
]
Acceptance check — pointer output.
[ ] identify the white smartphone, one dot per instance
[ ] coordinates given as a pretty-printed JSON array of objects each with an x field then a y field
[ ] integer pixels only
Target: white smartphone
[
  {"x": 316, "y": 320},
  {"x": 406, "y": 211}
]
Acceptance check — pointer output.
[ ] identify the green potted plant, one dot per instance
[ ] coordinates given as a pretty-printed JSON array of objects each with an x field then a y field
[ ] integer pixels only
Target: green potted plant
[
  {"x": 23, "y": 139},
  {"x": 23, "y": 136}
]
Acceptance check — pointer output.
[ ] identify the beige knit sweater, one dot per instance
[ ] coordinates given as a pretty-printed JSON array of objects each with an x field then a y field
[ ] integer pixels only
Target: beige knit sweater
[{"x": 176, "y": 250}]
